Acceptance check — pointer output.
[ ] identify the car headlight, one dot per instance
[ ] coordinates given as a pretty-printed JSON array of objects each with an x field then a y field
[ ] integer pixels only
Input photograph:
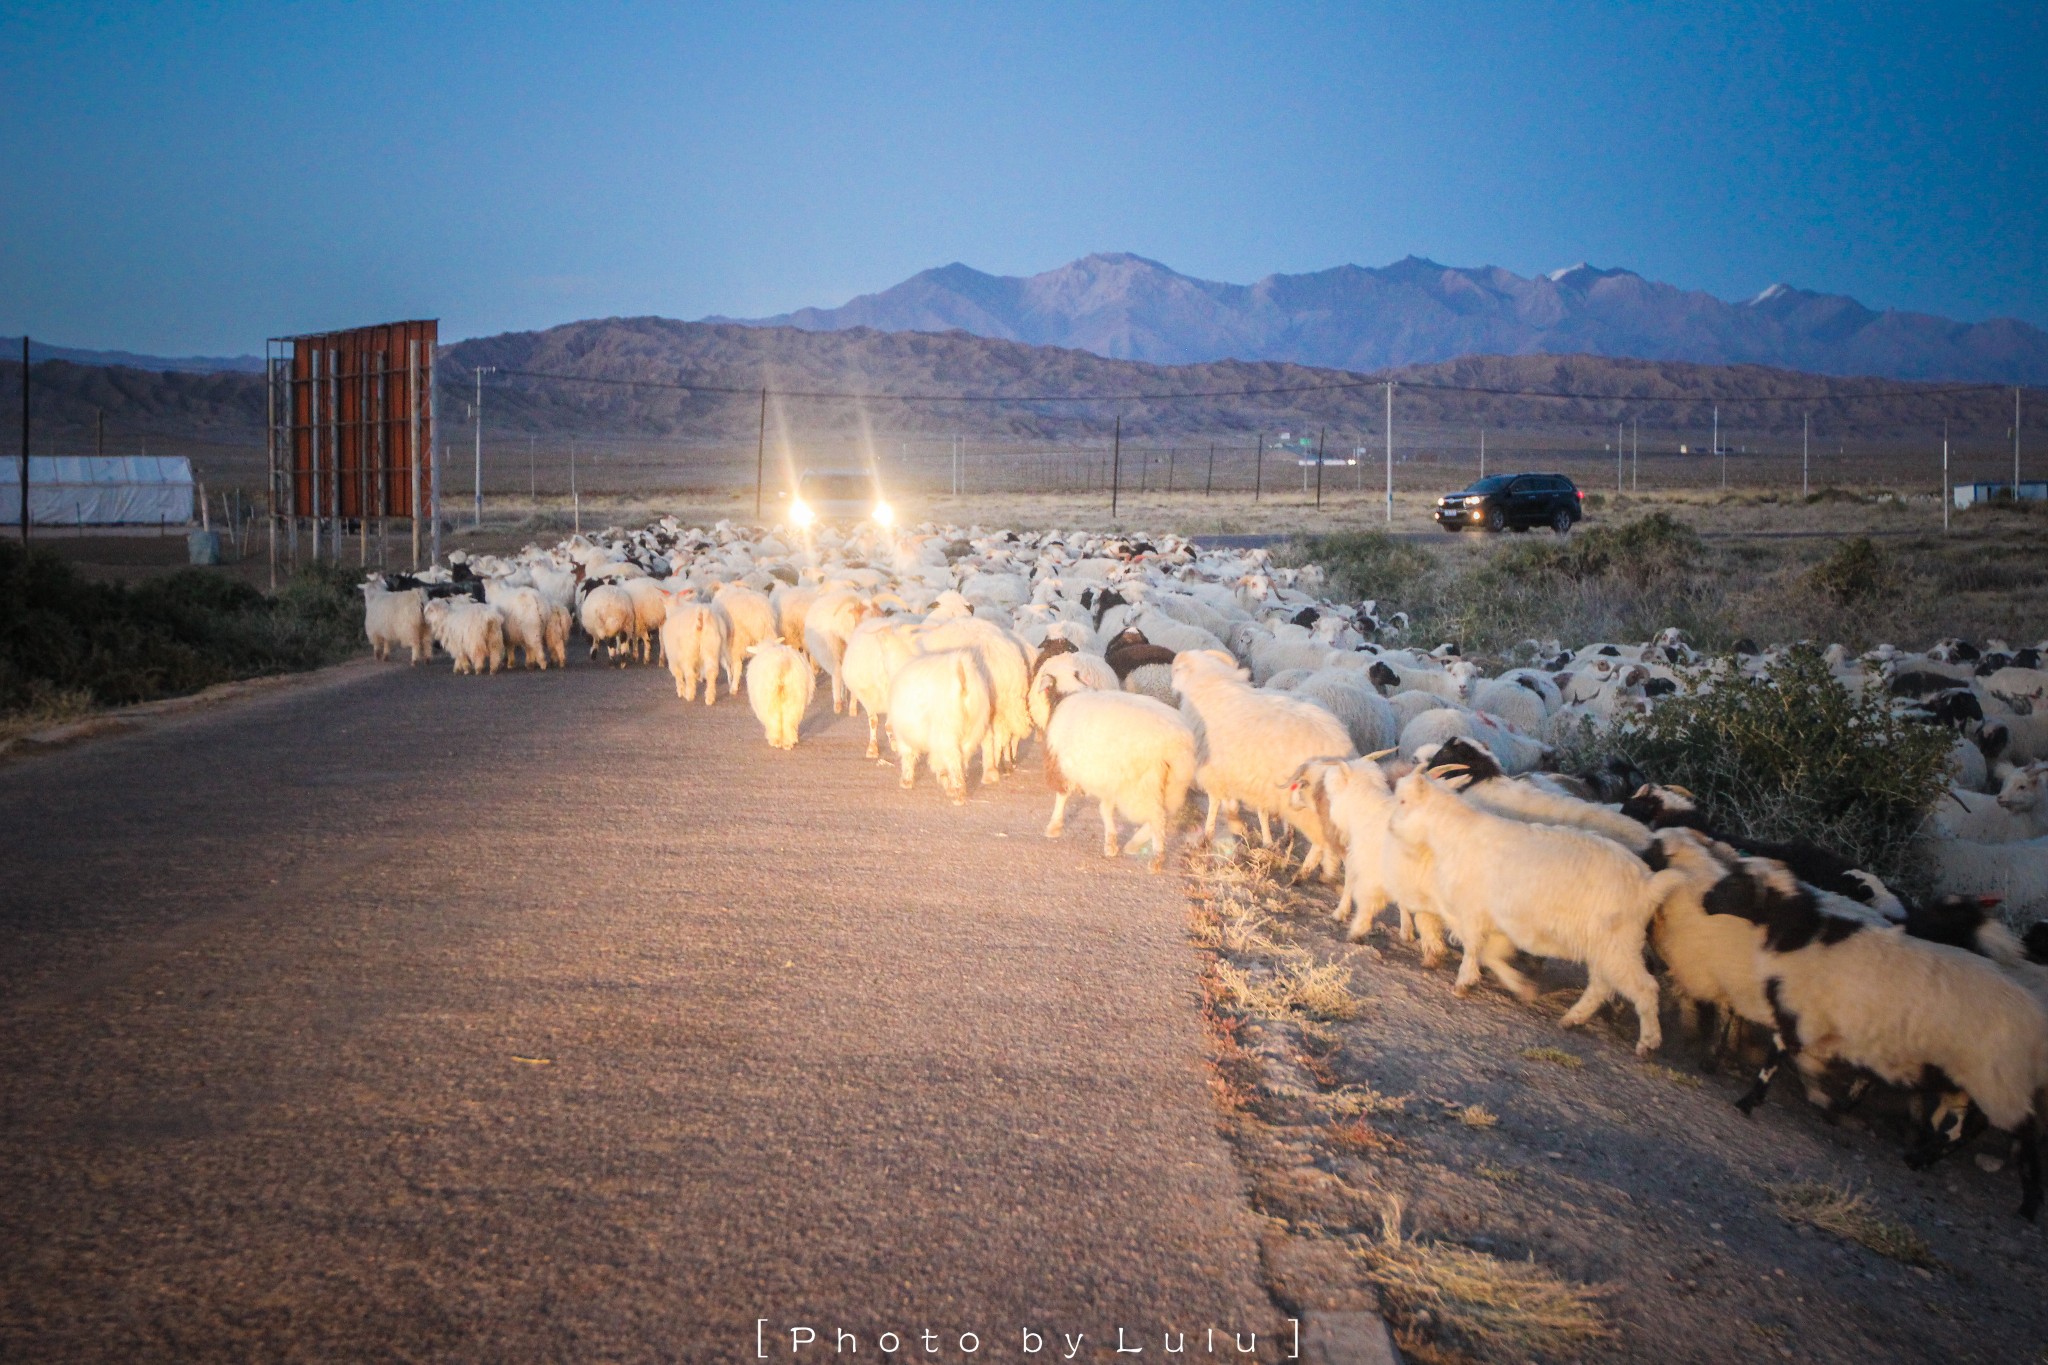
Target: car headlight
[
  {"x": 885, "y": 515},
  {"x": 800, "y": 512},
  {"x": 1474, "y": 502}
]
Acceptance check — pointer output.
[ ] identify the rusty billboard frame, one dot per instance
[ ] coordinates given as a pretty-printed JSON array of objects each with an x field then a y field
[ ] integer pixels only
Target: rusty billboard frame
[{"x": 352, "y": 423}]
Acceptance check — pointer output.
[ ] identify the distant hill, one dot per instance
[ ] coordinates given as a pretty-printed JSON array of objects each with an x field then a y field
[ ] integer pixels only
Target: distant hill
[
  {"x": 10, "y": 347},
  {"x": 221, "y": 415},
  {"x": 1416, "y": 311},
  {"x": 862, "y": 359}
]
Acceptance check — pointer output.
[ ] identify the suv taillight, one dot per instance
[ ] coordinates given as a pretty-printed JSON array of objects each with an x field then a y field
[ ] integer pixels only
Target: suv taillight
[{"x": 1581, "y": 492}]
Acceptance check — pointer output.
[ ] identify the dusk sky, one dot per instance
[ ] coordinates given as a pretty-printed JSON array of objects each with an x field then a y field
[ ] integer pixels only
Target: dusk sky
[{"x": 193, "y": 178}]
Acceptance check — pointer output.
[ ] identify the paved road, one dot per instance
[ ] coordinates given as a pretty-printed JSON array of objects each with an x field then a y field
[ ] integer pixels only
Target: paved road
[{"x": 420, "y": 1017}]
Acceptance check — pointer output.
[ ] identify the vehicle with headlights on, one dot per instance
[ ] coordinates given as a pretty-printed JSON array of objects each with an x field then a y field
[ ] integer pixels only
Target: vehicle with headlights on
[
  {"x": 1513, "y": 502},
  {"x": 838, "y": 495}
]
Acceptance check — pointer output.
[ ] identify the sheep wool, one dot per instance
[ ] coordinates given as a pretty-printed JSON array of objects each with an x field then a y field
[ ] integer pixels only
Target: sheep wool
[
  {"x": 1134, "y": 755},
  {"x": 780, "y": 685}
]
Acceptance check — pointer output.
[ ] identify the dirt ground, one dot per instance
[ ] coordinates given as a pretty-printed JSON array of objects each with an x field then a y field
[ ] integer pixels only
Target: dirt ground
[{"x": 1637, "y": 1181}]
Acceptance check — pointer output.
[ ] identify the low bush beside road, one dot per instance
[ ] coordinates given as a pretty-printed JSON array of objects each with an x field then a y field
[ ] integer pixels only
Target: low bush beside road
[{"x": 68, "y": 645}]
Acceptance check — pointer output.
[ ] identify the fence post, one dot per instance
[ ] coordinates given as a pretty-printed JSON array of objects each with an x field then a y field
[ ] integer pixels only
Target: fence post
[
  {"x": 24, "y": 438},
  {"x": 1259, "y": 470},
  {"x": 1116, "y": 465}
]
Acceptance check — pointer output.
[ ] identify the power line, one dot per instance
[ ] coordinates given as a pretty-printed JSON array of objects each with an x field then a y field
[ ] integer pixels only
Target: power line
[{"x": 751, "y": 390}]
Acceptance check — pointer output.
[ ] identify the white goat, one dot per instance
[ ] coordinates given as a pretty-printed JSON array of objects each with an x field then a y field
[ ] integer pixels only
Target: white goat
[
  {"x": 780, "y": 685},
  {"x": 1134, "y": 755},
  {"x": 1551, "y": 891},
  {"x": 693, "y": 641},
  {"x": 940, "y": 707},
  {"x": 396, "y": 618},
  {"x": 472, "y": 633}
]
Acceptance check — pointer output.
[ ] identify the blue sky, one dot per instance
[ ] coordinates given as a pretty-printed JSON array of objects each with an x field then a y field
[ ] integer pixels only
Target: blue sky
[{"x": 194, "y": 177}]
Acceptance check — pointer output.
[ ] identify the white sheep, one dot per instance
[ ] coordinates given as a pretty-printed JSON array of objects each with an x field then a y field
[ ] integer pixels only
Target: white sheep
[
  {"x": 1516, "y": 753},
  {"x": 1356, "y": 801},
  {"x": 608, "y": 617},
  {"x": 527, "y": 618},
  {"x": 878, "y": 647},
  {"x": 1063, "y": 675},
  {"x": 749, "y": 619},
  {"x": 1008, "y": 670},
  {"x": 1546, "y": 890},
  {"x": 792, "y": 603},
  {"x": 650, "y": 610},
  {"x": 471, "y": 632},
  {"x": 828, "y": 625},
  {"x": 780, "y": 685},
  {"x": 2019, "y": 811},
  {"x": 940, "y": 707},
  {"x": 1251, "y": 743},
  {"x": 1134, "y": 755},
  {"x": 693, "y": 641},
  {"x": 396, "y": 618},
  {"x": 1368, "y": 718}
]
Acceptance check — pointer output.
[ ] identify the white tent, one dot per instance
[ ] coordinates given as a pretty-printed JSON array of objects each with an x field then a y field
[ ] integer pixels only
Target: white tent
[{"x": 90, "y": 490}]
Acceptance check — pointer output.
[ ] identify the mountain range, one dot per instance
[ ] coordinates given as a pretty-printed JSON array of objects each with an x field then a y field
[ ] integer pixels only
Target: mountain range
[
  {"x": 1417, "y": 312},
  {"x": 38, "y": 352}
]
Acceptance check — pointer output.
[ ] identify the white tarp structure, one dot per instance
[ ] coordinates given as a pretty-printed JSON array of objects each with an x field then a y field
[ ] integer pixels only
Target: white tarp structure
[{"x": 98, "y": 490}]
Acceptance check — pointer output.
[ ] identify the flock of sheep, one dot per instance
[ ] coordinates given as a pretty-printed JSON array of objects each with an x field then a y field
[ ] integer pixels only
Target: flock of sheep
[{"x": 1148, "y": 668}]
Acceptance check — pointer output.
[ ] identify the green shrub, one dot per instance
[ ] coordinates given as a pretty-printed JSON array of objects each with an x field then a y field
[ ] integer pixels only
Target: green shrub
[
  {"x": 61, "y": 635},
  {"x": 1856, "y": 572},
  {"x": 1365, "y": 563},
  {"x": 1793, "y": 755}
]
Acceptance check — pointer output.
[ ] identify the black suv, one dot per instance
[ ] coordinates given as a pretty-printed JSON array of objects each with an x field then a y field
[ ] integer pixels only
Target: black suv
[{"x": 1503, "y": 502}]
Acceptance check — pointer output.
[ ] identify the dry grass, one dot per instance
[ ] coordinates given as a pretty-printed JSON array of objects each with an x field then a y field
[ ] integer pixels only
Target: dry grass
[
  {"x": 1848, "y": 1214},
  {"x": 1294, "y": 988},
  {"x": 1556, "y": 1056},
  {"x": 1359, "y": 1138},
  {"x": 1360, "y": 1101},
  {"x": 1675, "y": 1077},
  {"x": 1476, "y": 1116},
  {"x": 1499, "y": 1175},
  {"x": 1440, "y": 1293},
  {"x": 52, "y": 706}
]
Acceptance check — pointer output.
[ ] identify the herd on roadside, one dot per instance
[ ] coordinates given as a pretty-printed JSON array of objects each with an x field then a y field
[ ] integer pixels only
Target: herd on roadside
[{"x": 1148, "y": 668}]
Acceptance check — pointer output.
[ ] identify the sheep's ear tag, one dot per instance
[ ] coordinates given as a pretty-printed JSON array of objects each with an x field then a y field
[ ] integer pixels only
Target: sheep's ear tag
[{"x": 1988, "y": 902}]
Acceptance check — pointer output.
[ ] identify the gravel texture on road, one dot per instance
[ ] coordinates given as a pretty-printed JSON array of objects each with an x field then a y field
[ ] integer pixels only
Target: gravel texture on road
[{"x": 541, "y": 1016}]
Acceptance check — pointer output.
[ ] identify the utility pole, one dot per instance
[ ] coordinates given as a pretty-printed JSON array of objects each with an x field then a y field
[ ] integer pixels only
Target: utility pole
[
  {"x": 1209, "y": 484},
  {"x": 1805, "y": 442},
  {"x": 24, "y": 437},
  {"x": 2015, "y": 443},
  {"x": 1390, "y": 452},
  {"x": 1169, "y": 469},
  {"x": 1319, "y": 466},
  {"x": 1617, "y": 458},
  {"x": 1945, "y": 499},
  {"x": 1717, "y": 447},
  {"x": 1259, "y": 470},
  {"x": 1116, "y": 465},
  {"x": 1482, "y": 452},
  {"x": 532, "y": 469},
  {"x": 1635, "y": 454},
  {"x": 478, "y": 519},
  {"x": 760, "y": 454},
  {"x": 99, "y": 432}
]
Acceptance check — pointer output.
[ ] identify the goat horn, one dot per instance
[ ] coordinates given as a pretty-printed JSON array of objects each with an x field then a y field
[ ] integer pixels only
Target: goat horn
[
  {"x": 1378, "y": 754},
  {"x": 1682, "y": 791}
]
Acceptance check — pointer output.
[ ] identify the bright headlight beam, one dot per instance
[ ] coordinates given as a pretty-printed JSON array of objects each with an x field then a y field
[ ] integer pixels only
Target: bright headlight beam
[
  {"x": 885, "y": 515},
  {"x": 800, "y": 512}
]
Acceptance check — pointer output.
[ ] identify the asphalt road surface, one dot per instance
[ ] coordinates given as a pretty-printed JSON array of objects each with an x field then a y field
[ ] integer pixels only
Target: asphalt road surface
[{"x": 407, "y": 1016}]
